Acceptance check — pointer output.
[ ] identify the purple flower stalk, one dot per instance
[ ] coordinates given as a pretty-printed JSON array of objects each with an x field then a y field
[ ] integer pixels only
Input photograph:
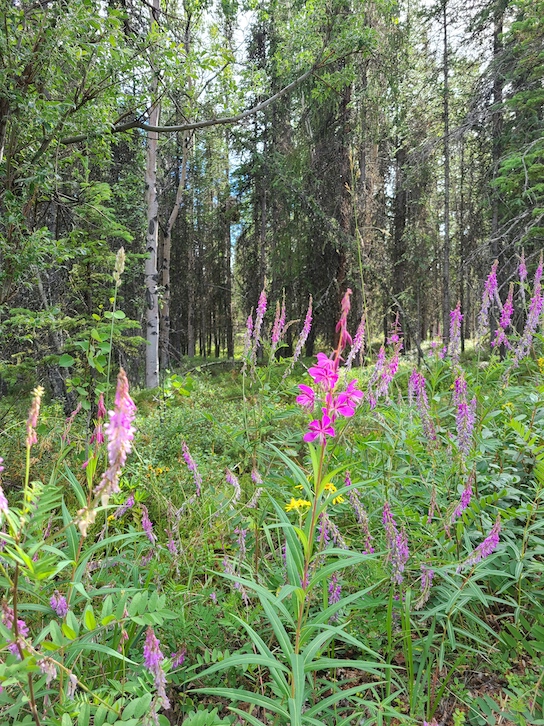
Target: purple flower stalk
[
  {"x": 333, "y": 531},
  {"x": 48, "y": 669},
  {"x": 259, "y": 316},
  {"x": 153, "y": 660},
  {"x": 397, "y": 544},
  {"x": 358, "y": 342},
  {"x": 120, "y": 433},
  {"x": 98, "y": 435},
  {"x": 334, "y": 592},
  {"x": 235, "y": 484},
  {"x": 427, "y": 575},
  {"x": 129, "y": 503},
  {"x": 279, "y": 326},
  {"x": 252, "y": 504},
  {"x": 247, "y": 340},
  {"x": 417, "y": 390},
  {"x": 242, "y": 548},
  {"x": 531, "y": 324},
  {"x": 491, "y": 292},
  {"x": 178, "y": 658},
  {"x": 466, "y": 415},
  {"x": 304, "y": 333},
  {"x": 505, "y": 320},
  {"x": 58, "y": 604},
  {"x": 466, "y": 497},
  {"x": 33, "y": 415},
  {"x": 362, "y": 518},
  {"x": 69, "y": 421},
  {"x": 522, "y": 271},
  {"x": 147, "y": 525},
  {"x": 485, "y": 548},
  {"x": 456, "y": 318},
  {"x": 192, "y": 467}
]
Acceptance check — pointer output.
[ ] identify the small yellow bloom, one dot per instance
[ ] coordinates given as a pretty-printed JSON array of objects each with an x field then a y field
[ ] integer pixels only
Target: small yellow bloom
[
  {"x": 297, "y": 504},
  {"x": 329, "y": 487},
  {"x": 299, "y": 486},
  {"x": 338, "y": 500},
  {"x": 111, "y": 518}
]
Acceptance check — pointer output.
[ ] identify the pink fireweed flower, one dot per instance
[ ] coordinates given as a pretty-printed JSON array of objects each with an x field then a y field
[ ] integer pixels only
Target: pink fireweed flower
[
  {"x": 320, "y": 429},
  {"x": 505, "y": 320},
  {"x": 325, "y": 372},
  {"x": 120, "y": 433},
  {"x": 58, "y": 604},
  {"x": 153, "y": 660},
  {"x": 306, "y": 398},
  {"x": 485, "y": 548},
  {"x": 235, "y": 484},
  {"x": 192, "y": 467},
  {"x": 456, "y": 318},
  {"x": 302, "y": 338},
  {"x": 358, "y": 343},
  {"x": 33, "y": 414},
  {"x": 338, "y": 404}
]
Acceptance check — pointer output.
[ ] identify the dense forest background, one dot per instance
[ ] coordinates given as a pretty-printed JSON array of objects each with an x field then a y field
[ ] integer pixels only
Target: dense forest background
[{"x": 396, "y": 148}]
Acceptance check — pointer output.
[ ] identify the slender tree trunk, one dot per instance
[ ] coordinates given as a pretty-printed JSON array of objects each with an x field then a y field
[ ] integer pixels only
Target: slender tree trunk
[
  {"x": 446, "y": 306},
  {"x": 164, "y": 337},
  {"x": 152, "y": 235}
]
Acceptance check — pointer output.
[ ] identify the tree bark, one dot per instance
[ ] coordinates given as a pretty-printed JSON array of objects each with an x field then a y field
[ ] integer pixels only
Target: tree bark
[
  {"x": 446, "y": 244},
  {"x": 152, "y": 235}
]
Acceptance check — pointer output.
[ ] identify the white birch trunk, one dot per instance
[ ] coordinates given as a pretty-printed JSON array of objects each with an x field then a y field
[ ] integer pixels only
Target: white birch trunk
[{"x": 152, "y": 237}]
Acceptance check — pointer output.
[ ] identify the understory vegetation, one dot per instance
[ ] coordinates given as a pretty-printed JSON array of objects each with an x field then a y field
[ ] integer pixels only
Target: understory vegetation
[{"x": 347, "y": 540}]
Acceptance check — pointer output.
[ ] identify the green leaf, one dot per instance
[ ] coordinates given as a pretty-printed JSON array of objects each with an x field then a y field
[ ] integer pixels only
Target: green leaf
[
  {"x": 66, "y": 361},
  {"x": 89, "y": 619},
  {"x": 119, "y": 315}
]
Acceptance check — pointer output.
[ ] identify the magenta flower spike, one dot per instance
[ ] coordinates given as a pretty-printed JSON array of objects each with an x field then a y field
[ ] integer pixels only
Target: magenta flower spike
[
  {"x": 279, "y": 326},
  {"x": 325, "y": 372},
  {"x": 120, "y": 433}
]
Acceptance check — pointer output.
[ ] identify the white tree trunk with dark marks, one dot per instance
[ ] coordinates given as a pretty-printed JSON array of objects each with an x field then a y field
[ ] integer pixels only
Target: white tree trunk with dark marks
[{"x": 152, "y": 237}]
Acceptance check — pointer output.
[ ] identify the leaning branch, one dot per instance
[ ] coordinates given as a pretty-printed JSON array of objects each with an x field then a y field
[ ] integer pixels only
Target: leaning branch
[{"x": 136, "y": 124}]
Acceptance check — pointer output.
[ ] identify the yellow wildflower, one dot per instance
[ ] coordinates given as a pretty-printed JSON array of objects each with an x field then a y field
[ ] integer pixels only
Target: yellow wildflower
[
  {"x": 299, "y": 486},
  {"x": 297, "y": 504},
  {"x": 338, "y": 500},
  {"x": 329, "y": 487}
]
